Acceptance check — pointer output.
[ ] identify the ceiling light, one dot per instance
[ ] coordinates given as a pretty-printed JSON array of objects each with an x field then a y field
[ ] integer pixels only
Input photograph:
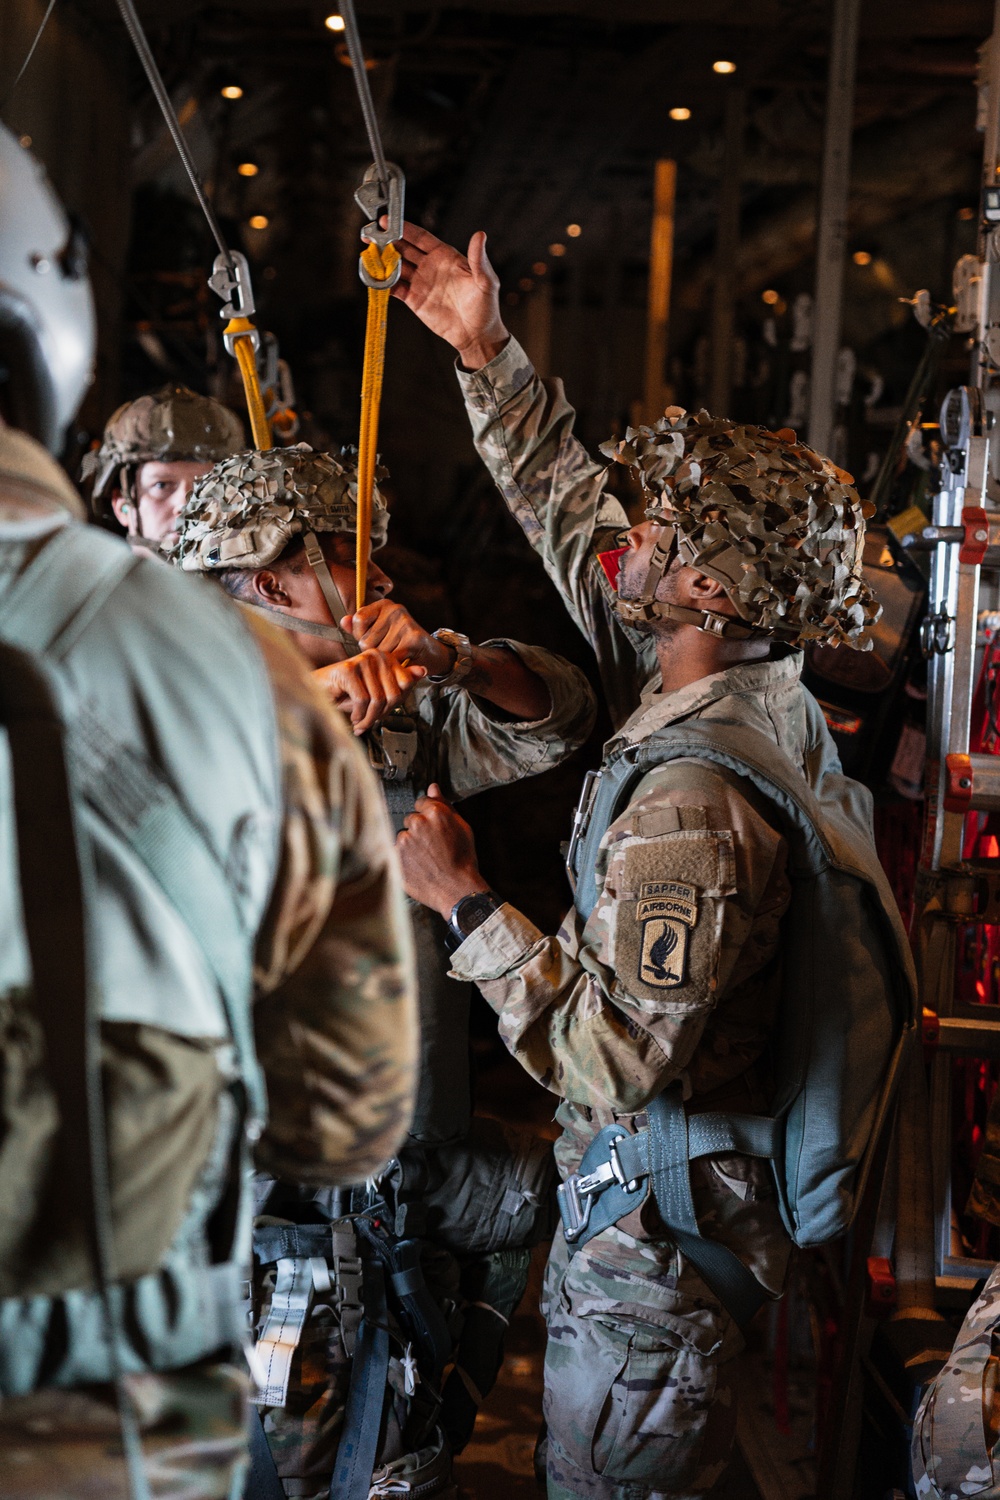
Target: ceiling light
[
  {"x": 770, "y": 297},
  {"x": 862, "y": 257},
  {"x": 680, "y": 113},
  {"x": 248, "y": 169},
  {"x": 540, "y": 268},
  {"x": 334, "y": 23},
  {"x": 231, "y": 91},
  {"x": 26, "y": 141},
  {"x": 259, "y": 221},
  {"x": 966, "y": 213},
  {"x": 574, "y": 231},
  {"x": 557, "y": 250},
  {"x": 723, "y": 67},
  {"x": 526, "y": 284}
]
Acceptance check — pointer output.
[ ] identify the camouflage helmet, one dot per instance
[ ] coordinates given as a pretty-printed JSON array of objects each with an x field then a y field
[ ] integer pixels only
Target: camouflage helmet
[
  {"x": 780, "y": 527},
  {"x": 247, "y": 509},
  {"x": 172, "y": 425}
]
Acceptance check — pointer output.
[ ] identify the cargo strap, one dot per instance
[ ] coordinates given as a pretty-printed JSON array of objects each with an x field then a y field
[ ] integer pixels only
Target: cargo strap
[
  {"x": 355, "y": 1462},
  {"x": 609, "y": 1185}
]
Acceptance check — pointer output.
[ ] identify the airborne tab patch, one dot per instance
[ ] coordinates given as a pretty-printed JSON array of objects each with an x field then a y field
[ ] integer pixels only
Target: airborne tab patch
[{"x": 667, "y": 910}]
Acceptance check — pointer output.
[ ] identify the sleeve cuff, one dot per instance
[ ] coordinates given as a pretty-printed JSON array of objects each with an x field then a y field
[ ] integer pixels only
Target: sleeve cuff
[
  {"x": 504, "y": 940},
  {"x": 499, "y": 381}
]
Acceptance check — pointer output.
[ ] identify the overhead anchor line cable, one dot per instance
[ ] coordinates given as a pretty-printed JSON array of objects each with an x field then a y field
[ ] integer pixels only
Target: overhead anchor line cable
[
  {"x": 380, "y": 195},
  {"x": 230, "y": 277}
]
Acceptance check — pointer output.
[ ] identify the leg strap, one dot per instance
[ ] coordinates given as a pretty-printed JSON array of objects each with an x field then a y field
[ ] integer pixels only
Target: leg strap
[
  {"x": 358, "y": 1450},
  {"x": 617, "y": 1166}
]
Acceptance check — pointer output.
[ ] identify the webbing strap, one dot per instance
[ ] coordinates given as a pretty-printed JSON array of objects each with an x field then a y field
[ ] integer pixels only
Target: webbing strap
[
  {"x": 358, "y": 1449},
  {"x": 62, "y": 588},
  {"x": 241, "y": 334},
  {"x": 177, "y": 855},
  {"x": 262, "y": 1479},
  {"x": 334, "y": 602},
  {"x": 380, "y": 265},
  {"x": 293, "y": 623},
  {"x": 708, "y": 1135},
  {"x": 52, "y": 878},
  {"x": 669, "y": 1153},
  {"x": 282, "y": 1332}
]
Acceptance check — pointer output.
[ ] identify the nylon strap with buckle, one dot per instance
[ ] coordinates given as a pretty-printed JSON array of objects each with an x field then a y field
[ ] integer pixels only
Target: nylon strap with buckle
[{"x": 609, "y": 1185}]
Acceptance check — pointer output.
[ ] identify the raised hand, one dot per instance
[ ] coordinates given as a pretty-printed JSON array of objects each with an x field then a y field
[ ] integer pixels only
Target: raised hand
[
  {"x": 388, "y": 627},
  {"x": 456, "y": 295},
  {"x": 368, "y": 686}
]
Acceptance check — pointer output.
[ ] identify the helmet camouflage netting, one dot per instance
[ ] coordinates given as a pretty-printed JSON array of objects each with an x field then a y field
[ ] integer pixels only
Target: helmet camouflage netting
[
  {"x": 779, "y": 526},
  {"x": 245, "y": 511}
]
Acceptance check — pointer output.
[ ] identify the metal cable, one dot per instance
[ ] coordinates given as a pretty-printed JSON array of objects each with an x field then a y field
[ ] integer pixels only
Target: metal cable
[
  {"x": 357, "y": 56},
  {"x": 135, "y": 31},
  {"x": 31, "y": 52}
]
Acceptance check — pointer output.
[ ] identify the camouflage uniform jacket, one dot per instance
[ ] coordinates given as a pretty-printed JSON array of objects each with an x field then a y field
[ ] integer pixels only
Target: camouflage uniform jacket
[
  {"x": 607, "y": 1025},
  {"x": 956, "y": 1432},
  {"x": 523, "y": 430},
  {"x": 335, "y": 1019},
  {"x": 465, "y": 744}
]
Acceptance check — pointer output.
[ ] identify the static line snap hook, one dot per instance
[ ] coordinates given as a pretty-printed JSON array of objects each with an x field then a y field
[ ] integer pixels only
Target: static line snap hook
[
  {"x": 382, "y": 201},
  {"x": 232, "y": 283}
]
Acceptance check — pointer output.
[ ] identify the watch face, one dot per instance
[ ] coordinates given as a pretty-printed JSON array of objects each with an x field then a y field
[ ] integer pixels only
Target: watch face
[{"x": 473, "y": 911}]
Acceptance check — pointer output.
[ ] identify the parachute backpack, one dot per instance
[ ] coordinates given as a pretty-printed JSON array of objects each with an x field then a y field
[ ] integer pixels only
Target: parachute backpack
[{"x": 846, "y": 1015}]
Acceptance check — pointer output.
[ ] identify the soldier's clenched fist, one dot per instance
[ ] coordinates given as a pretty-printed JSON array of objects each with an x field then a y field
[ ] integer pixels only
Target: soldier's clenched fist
[{"x": 438, "y": 854}]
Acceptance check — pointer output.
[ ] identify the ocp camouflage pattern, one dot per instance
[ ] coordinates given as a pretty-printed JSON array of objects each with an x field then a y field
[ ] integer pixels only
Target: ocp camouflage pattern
[
  {"x": 247, "y": 509},
  {"x": 588, "y": 1018},
  {"x": 523, "y": 431},
  {"x": 334, "y": 1015},
  {"x": 781, "y": 527},
  {"x": 956, "y": 1432}
]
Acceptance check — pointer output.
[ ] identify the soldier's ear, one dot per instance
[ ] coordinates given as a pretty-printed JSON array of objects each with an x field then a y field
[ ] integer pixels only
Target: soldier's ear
[
  {"x": 268, "y": 588},
  {"x": 699, "y": 588},
  {"x": 121, "y": 507}
]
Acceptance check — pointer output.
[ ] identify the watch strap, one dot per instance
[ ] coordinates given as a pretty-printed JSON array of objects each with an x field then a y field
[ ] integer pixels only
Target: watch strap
[{"x": 462, "y": 666}]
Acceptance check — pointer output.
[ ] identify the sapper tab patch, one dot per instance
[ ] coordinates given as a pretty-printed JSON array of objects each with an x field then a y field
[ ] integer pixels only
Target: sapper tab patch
[{"x": 667, "y": 910}]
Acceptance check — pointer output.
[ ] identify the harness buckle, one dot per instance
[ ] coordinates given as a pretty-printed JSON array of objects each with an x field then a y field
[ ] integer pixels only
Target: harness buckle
[{"x": 576, "y": 1195}]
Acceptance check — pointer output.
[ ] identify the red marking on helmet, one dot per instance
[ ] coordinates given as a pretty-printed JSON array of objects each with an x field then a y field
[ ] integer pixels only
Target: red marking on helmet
[{"x": 609, "y": 562}]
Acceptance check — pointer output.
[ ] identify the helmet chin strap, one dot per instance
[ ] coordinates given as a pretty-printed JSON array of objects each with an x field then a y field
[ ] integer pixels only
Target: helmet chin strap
[
  {"x": 648, "y": 607},
  {"x": 332, "y": 595}
]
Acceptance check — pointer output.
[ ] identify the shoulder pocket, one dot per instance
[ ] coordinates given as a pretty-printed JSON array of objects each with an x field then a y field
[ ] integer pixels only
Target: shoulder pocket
[{"x": 668, "y": 893}]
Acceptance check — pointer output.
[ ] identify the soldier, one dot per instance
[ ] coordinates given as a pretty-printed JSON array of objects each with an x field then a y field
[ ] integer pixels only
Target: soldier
[
  {"x": 277, "y": 529},
  {"x": 225, "y": 856},
  {"x": 152, "y": 451},
  {"x": 655, "y": 1003}
]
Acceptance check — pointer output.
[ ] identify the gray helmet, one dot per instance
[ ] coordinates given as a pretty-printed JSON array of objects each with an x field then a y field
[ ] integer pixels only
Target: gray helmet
[
  {"x": 46, "y": 306},
  {"x": 246, "y": 510},
  {"x": 781, "y": 528},
  {"x": 171, "y": 425}
]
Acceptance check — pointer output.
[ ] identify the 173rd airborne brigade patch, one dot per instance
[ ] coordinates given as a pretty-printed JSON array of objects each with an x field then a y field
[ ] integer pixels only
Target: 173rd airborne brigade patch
[{"x": 667, "y": 912}]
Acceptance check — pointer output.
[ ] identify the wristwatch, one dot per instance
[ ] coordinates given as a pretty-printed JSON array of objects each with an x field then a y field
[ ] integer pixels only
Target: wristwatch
[
  {"x": 462, "y": 665},
  {"x": 468, "y": 914}
]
